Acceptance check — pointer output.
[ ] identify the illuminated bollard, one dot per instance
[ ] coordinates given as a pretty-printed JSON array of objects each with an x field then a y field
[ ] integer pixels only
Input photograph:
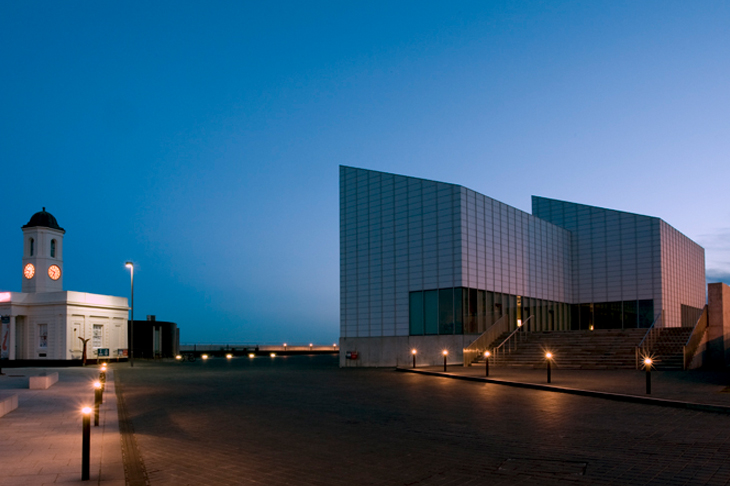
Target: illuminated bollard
[
  {"x": 486, "y": 361},
  {"x": 97, "y": 402},
  {"x": 204, "y": 357},
  {"x": 413, "y": 352},
  {"x": 446, "y": 353},
  {"x": 179, "y": 358},
  {"x": 549, "y": 357},
  {"x": 647, "y": 366},
  {"x": 85, "y": 443},
  {"x": 284, "y": 346},
  {"x": 229, "y": 356}
]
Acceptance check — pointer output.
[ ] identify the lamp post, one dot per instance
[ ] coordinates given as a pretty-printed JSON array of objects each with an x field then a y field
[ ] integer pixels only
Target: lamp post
[
  {"x": 647, "y": 366},
  {"x": 446, "y": 353},
  {"x": 549, "y": 357},
  {"x": 130, "y": 266},
  {"x": 486, "y": 361}
]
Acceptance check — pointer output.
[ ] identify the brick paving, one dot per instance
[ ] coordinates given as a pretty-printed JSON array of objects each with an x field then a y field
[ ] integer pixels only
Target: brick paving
[
  {"x": 301, "y": 420},
  {"x": 40, "y": 441}
]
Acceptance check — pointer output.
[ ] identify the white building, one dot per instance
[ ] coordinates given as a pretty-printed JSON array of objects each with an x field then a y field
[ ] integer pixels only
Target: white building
[
  {"x": 430, "y": 266},
  {"x": 45, "y": 322}
]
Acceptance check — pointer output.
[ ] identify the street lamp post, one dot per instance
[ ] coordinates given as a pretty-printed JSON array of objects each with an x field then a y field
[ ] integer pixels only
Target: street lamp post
[{"x": 130, "y": 266}]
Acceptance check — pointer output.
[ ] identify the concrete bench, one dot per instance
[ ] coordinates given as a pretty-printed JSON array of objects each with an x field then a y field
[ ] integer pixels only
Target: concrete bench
[
  {"x": 42, "y": 382},
  {"x": 8, "y": 403}
]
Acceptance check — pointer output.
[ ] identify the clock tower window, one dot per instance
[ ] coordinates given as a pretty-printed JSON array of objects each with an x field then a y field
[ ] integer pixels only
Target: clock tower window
[
  {"x": 32, "y": 246},
  {"x": 53, "y": 248}
]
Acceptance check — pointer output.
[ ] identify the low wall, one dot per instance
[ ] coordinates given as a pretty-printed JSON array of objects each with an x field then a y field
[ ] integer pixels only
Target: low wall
[
  {"x": 42, "y": 382},
  {"x": 8, "y": 403},
  {"x": 395, "y": 351}
]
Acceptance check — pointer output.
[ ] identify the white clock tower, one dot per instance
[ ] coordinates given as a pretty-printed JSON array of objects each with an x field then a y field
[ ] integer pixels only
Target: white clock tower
[{"x": 42, "y": 254}]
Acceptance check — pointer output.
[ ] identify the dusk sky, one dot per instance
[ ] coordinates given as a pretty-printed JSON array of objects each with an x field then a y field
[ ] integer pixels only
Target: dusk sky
[{"x": 202, "y": 140}]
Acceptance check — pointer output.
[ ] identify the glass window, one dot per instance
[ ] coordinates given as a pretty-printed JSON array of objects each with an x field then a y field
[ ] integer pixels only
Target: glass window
[
  {"x": 586, "y": 316},
  {"x": 415, "y": 313},
  {"x": 32, "y": 246},
  {"x": 480, "y": 312},
  {"x": 630, "y": 315},
  {"x": 98, "y": 334},
  {"x": 43, "y": 336},
  {"x": 470, "y": 325},
  {"x": 459, "y": 297},
  {"x": 646, "y": 313},
  {"x": 446, "y": 311},
  {"x": 430, "y": 307},
  {"x": 53, "y": 248}
]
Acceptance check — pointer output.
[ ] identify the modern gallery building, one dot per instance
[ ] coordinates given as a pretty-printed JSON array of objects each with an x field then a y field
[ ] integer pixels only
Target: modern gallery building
[{"x": 431, "y": 265}]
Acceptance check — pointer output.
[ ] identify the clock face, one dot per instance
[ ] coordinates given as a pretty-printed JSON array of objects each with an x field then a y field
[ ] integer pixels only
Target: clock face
[
  {"x": 54, "y": 272},
  {"x": 29, "y": 271}
]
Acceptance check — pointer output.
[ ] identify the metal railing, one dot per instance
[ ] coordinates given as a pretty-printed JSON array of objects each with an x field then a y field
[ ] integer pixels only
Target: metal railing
[
  {"x": 479, "y": 345},
  {"x": 690, "y": 348},
  {"x": 647, "y": 343},
  {"x": 506, "y": 346}
]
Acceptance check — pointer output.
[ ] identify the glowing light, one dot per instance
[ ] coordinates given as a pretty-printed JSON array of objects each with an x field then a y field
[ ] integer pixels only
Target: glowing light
[
  {"x": 129, "y": 265},
  {"x": 548, "y": 355},
  {"x": 413, "y": 351},
  {"x": 251, "y": 355},
  {"x": 229, "y": 356},
  {"x": 310, "y": 345},
  {"x": 178, "y": 357},
  {"x": 487, "y": 354},
  {"x": 446, "y": 352},
  {"x": 273, "y": 355},
  {"x": 205, "y": 356},
  {"x": 590, "y": 328},
  {"x": 519, "y": 322},
  {"x": 97, "y": 384},
  {"x": 648, "y": 361},
  {"x": 86, "y": 410}
]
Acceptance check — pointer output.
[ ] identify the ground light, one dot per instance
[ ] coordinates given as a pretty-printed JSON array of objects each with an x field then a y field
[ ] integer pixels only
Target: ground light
[
  {"x": 413, "y": 352},
  {"x": 229, "y": 356},
  {"x": 251, "y": 355},
  {"x": 273, "y": 355},
  {"x": 486, "y": 361},
  {"x": 178, "y": 357},
  {"x": 647, "y": 366},
  {"x": 549, "y": 358},
  {"x": 204, "y": 357},
  {"x": 97, "y": 402},
  {"x": 445, "y": 353},
  {"x": 85, "y": 443}
]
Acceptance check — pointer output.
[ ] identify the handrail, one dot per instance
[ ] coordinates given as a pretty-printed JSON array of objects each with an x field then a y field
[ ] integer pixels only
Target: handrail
[
  {"x": 508, "y": 338},
  {"x": 647, "y": 342},
  {"x": 695, "y": 339},
  {"x": 479, "y": 345}
]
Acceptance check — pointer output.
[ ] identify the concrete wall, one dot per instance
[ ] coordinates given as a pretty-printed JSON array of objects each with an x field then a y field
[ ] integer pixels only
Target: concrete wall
[
  {"x": 396, "y": 350},
  {"x": 718, "y": 330}
]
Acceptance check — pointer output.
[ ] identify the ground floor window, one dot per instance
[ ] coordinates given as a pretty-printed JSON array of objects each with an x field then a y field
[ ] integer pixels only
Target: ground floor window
[
  {"x": 43, "y": 336},
  {"x": 98, "y": 335},
  {"x": 627, "y": 314}
]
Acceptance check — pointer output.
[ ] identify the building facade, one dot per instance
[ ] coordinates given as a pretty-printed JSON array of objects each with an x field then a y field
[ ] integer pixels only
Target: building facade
[
  {"x": 431, "y": 265},
  {"x": 45, "y": 322}
]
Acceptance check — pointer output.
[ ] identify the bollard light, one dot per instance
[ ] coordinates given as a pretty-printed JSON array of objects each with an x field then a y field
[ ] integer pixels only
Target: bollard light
[
  {"x": 178, "y": 357},
  {"x": 647, "y": 367},
  {"x": 549, "y": 358},
  {"x": 251, "y": 355},
  {"x": 205, "y": 356},
  {"x": 273, "y": 355},
  {"x": 413, "y": 352},
  {"x": 446, "y": 353},
  {"x": 229, "y": 356},
  {"x": 85, "y": 443},
  {"x": 486, "y": 361}
]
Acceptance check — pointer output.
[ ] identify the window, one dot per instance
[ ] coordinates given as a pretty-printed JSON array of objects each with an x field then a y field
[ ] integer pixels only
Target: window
[
  {"x": 42, "y": 336},
  {"x": 32, "y": 246},
  {"x": 53, "y": 248},
  {"x": 98, "y": 334},
  {"x": 416, "y": 313}
]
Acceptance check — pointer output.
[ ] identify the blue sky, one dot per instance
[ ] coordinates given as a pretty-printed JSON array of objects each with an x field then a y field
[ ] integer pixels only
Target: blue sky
[{"x": 202, "y": 139}]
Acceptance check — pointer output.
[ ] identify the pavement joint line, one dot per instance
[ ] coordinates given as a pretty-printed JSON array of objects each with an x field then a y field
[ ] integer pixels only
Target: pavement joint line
[
  {"x": 662, "y": 402},
  {"x": 134, "y": 469}
]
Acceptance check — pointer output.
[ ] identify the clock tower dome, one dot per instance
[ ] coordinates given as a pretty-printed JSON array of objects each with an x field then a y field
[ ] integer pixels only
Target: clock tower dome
[{"x": 42, "y": 254}]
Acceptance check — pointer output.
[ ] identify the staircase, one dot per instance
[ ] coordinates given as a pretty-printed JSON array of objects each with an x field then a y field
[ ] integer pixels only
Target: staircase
[
  {"x": 594, "y": 350},
  {"x": 668, "y": 350}
]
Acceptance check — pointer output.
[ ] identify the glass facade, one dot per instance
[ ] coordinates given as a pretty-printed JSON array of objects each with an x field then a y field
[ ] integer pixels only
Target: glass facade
[
  {"x": 461, "y": 310},
  {"x": 627, "y": 314}
]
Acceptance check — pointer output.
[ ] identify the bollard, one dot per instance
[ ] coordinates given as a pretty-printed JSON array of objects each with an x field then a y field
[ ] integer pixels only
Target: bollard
[
  {"x": 486, "y": 361},
  {"x": 549, "y": 357},
  {"x": 102, "y": 379},
  {"x": 446, "y": 353},
  {"x": 413, "y": 352},
  {"x": 97, "y": 402},
  {"x": 85, "y": 443},
  {"x": 647, "y": 365}
]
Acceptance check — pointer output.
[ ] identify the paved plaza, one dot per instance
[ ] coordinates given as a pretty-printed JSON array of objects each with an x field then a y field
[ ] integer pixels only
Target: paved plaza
[{"x": 301, "y": 420}]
